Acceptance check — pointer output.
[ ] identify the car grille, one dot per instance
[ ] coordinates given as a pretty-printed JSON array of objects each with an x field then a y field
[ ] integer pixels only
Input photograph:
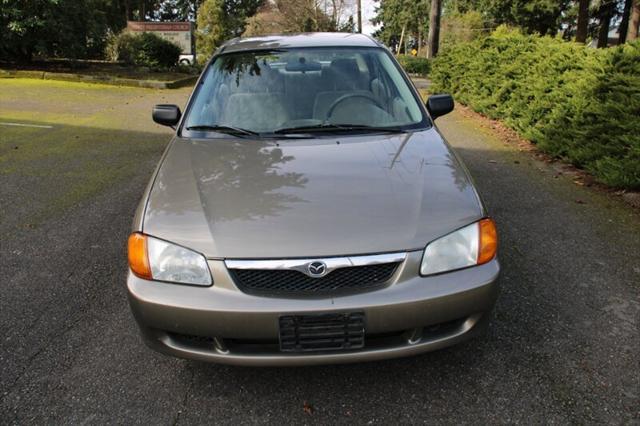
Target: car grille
[{"x": 292, "y": 282}]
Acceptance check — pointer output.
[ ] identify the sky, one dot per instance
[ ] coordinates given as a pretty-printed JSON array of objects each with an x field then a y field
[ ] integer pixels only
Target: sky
[{"x": 367, "y": 13}]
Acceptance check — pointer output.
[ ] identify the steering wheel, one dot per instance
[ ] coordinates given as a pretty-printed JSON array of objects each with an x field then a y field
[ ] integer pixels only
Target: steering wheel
[{"x": 350, "y": 96}]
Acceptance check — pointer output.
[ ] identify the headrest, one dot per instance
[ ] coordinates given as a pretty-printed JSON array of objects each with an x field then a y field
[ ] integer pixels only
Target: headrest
[
  {"x": 342, "y": 74},
  {"x": 302, "y": 65},
  {"x": 345, "y": 66}
]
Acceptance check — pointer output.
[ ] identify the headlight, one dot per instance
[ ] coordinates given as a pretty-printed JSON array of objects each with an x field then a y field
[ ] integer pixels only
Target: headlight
[
  {"x": 151, "y": 258},
  {"x": 472, "y": 245}
]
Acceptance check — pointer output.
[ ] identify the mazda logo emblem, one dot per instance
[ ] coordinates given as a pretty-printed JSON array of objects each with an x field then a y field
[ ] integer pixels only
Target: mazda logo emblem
[{"x": 316, "y": 269}]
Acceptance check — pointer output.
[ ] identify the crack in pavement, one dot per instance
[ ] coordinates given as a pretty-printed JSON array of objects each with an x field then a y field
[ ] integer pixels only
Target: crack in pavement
[
  {"x": 186, "y": 395},
  {"x": 33, "y": 356}
]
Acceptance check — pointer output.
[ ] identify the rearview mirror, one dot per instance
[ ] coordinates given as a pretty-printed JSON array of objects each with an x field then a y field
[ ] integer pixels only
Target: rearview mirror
[
  {"x": 439, "y": 105},
  {"x": 303, "y": 66},
  {"x": 167, "y": 115}
]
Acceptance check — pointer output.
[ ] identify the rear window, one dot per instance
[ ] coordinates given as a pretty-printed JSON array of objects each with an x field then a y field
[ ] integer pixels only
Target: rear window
[{"x": 265, "y": 91}]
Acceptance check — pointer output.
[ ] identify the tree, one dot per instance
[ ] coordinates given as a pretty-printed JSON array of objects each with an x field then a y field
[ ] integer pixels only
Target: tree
[
  {"x": 175, "y": 10},
  {"x": 62, "y": 28},
  {"x": 434, "y": 28},
  {"x": 583, "y": 21},
  {"x": 387, "y": 16},
  {"x": 624, "y": 23},
  {"x": 533, "y": 16},
  {"x": 457, "y": 27},
  {"x": 605, "y": 13},
  {"x": 400, "y": 20},
  {"x": 268, "y": 20},
  {"x": 219, "y": 20},
  {"x": 283, "y": 16},
  {"x": 211, "y": 28},
  {"x": 634, "y": 22}
]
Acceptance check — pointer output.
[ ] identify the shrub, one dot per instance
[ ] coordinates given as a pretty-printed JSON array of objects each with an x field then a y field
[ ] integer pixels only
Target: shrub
[
  {"x": 461, "y": 27},
  {"x": 144, "y": 49},
  {"x": 414, "y": 64},
  {"x": 577, "y": 103}
]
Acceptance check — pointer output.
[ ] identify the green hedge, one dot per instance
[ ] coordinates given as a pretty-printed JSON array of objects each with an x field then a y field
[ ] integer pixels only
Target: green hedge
[
  {"x": 414, "y": 64},
  {"x": 575, "y": 102},
  {"x": 144, "y": 49}
]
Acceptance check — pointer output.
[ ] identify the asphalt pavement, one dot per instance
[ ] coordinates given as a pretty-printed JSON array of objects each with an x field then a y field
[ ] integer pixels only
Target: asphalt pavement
[{"x": 564, "y": 345}]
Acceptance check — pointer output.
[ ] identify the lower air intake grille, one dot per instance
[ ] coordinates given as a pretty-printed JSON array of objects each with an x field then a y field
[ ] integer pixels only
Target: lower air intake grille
[
  {"x": 328, "y": 332},
  {"x": 291, "y": 282}
]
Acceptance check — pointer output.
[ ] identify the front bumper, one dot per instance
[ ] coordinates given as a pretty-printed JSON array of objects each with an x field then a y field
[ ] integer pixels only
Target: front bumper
[{"x": 411, "y": 315}]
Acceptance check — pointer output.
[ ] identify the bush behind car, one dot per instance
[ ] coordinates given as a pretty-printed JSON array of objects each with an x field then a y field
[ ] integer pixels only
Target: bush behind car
[
  {"x": 144, "y": 49},
  {"x": 574, "y": 102},
  {"x": 414, "y": 64}
]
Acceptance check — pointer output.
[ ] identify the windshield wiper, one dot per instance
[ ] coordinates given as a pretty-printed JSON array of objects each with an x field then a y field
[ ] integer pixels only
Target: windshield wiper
[
  {"x": 338, "y": 128},
  {"x": 221, "y": 128}
]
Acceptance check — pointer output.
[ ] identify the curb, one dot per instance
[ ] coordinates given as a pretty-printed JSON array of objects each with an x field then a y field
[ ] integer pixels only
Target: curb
[
  {"x": 421, "y": 83},
  {"x": 97, "y": 79}
]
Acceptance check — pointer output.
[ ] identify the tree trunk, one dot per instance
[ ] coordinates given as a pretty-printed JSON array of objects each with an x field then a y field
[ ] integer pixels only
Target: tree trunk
[
  {"x": 434, "y": 28},
  {"x": 634, "y": 22},
  {"x": 128, "y": 13},
  {"x": 314, "y": 11},
  {"x": 359, "y": 16},
  {"x": 605, "y": 20},
  {"x": 624, "y": 23},
  {"x": 419, "y": 36},
  {"x": 141, "y": 11},
  {"x": 401, "y": 38},
  {"x": 335, "y": 16},
  {"x": 583, "y": 21}
]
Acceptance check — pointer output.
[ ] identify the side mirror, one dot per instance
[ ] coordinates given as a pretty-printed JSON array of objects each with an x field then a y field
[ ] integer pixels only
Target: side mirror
[
  {"x": 167, "y": 115},
  {"x": 439, "y": 105}
]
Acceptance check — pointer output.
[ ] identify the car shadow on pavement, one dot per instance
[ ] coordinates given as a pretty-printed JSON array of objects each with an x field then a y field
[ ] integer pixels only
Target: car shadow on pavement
[{"x": 362, "y": 392}]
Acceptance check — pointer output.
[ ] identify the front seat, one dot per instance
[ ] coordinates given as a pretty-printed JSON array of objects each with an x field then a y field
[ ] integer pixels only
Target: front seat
[
  {"x": 342, "y": 75},
  {"x": 255, "y": 111},
  {"x": 340, "y": 78}
]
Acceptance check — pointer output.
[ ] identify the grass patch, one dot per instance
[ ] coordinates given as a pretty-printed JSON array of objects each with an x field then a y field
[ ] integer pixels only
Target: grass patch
[
  {"x": 103, "y": 70},
  {"x": 102, "y": 137},
  {"x": 68, "y": 165}
]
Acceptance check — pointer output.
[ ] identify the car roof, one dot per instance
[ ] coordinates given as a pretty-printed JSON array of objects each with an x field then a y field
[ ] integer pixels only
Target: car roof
[{"x": 299, "y": 40}]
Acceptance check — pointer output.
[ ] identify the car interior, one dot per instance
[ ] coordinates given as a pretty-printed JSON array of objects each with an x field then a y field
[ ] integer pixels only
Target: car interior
[{"x": 265, "y": 95}]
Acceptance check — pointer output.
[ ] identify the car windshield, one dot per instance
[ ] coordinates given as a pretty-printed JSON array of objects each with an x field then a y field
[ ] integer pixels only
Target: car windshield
[{"x": 304, "y": 90}]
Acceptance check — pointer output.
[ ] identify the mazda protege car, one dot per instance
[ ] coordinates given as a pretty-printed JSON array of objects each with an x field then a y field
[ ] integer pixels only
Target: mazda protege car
[{"x": 308, "y": 211}]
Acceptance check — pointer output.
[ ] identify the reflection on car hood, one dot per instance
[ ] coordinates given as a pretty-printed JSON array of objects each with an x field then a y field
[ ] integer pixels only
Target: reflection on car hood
[{"x": 241, "y": 198}]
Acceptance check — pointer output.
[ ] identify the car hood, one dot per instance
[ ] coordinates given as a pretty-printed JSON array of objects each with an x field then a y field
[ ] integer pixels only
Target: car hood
[{"x": 240, "y": 198}]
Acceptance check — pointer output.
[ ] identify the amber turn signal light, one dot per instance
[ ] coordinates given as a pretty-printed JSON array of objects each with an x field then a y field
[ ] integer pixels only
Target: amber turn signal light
[
  {"x": 488, "y": 241},
  {"x": 137, "y": 254}
]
